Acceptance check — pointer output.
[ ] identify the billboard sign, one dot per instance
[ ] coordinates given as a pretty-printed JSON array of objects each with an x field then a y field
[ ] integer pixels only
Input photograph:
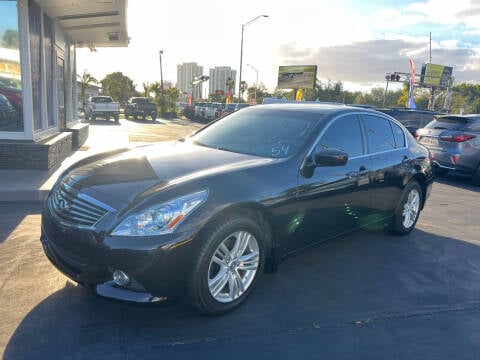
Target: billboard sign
[
  {"x": 436, "y": 75},
  {"x": 297, "y": 76}
]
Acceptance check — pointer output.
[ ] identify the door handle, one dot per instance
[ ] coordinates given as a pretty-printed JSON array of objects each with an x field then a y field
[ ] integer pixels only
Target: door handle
[
  {"x": 405, "y": 159},
  {"x": 361, "y": 171}
]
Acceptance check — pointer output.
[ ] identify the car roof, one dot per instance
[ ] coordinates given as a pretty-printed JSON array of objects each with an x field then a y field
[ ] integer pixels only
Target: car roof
[
  {"x": 321, "y": 108},
  {"x": 459, "y": 117}
]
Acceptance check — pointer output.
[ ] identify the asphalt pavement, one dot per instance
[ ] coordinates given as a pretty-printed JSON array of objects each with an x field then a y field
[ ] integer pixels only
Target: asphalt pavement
[{"x": 367, "y": 295}]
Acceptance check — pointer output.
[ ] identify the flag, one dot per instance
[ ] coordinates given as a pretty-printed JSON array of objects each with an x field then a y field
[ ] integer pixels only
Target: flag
[
  {"x": 411, "y": 100},
  {"x": 189, "y": 100}
]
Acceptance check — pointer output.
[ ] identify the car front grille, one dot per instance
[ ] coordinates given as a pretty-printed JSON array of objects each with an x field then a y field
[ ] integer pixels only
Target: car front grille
[{"x": 75, "y": 209}]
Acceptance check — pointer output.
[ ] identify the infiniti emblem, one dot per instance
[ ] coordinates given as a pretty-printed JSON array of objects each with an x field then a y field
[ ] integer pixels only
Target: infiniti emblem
[{"x": 63, "y": 205}]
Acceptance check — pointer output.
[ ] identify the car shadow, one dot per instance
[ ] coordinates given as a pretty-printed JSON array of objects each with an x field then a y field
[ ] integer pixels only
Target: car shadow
[
  {"x": 457, "y": 180},
  {"x": 146, "y": 121},
  {"x": 362, "y": 277}
]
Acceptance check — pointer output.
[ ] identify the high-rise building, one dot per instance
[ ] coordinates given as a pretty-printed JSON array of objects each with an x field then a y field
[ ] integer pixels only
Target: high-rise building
[
  {"x": 185, "y": 75},
  {"x": 218, "y": 78}
]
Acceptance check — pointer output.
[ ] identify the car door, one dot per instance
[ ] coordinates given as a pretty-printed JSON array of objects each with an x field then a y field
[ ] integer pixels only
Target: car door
[
  {"x": 390, "y": 162},
  {"x": 334, "y": 199}
]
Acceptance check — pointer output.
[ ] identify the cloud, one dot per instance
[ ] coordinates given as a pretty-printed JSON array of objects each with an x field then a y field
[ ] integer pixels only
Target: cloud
[{"x": 369, "y": 61}]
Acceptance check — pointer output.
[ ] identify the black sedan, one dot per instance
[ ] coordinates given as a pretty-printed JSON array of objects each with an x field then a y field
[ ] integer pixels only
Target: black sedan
[{"x": 203, "y": 217}]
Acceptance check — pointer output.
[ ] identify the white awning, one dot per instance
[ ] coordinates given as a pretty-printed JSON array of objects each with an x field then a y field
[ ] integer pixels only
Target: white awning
[{"x": 91, "y": 23}]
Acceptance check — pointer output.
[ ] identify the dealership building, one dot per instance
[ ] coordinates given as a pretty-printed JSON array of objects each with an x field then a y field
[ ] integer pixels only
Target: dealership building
[{"x": 39, "y": 126}]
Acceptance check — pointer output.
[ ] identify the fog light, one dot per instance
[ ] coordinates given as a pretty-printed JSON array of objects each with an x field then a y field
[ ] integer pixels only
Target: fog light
[{"x": 120, "y": 278}]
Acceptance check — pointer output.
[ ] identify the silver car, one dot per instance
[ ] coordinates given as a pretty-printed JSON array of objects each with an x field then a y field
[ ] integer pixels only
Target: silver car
[{"x": 454, "y": 143}]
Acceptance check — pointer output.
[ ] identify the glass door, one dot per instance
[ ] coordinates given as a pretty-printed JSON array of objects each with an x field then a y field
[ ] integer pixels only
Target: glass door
[{"x": 61, "y": 92}]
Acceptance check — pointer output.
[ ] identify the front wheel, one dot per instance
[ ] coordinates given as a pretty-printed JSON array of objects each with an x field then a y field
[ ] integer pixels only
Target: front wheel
[
  {"x": 229, "y": 264},
  {"x": 408, "y": 209},
  {"x": 154, "y": 116}
]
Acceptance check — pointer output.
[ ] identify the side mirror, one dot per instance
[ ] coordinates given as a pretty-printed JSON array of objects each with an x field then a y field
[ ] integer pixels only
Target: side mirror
[
  {"x": 329, "y": 157},
  {"x": 322, "y": 157}
]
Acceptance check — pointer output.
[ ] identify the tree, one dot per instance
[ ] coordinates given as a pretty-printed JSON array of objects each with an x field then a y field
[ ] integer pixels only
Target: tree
[
  {"x": 85, "y": 80},
  {"x": 475, "y": 108},
  {"x": 171, "y": 97},
  {"x": 230, "y": 84},
  {"x": 146, "y": 89},
  {"x": 118, "y": 86},
  {"x": 262, "y": 92},
  {"x": 243, "y": 88},
  {"x": 10, "y": 39}
]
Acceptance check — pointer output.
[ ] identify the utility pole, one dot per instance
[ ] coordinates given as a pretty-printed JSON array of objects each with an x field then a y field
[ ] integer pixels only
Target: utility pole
[{"x": 161, "y": 72}]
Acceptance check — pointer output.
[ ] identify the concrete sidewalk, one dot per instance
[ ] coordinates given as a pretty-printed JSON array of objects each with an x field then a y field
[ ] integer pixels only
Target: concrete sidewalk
[{"x": 34, "y": 185}]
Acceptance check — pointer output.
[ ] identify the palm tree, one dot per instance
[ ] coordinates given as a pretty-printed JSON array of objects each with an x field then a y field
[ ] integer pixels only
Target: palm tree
[
  {"x": 230, "y": 84},
  {"x": 85, "y": 80},
  {"x": 147, "y": 87},
  {"x": 243, "y": 88}
]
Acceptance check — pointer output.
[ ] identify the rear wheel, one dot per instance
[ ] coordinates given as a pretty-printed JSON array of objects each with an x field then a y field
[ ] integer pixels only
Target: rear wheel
[
  {"x": 94, "y": 117},
  {"x": 229, "y": 264},
  {"x": 154, "y": 116},
  {"x": 408, "y": 209},
  {"x": 476, "y": 177}
]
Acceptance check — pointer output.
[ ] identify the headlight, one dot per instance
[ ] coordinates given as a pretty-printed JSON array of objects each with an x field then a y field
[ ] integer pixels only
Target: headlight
[{"x": 160, "y": 219}]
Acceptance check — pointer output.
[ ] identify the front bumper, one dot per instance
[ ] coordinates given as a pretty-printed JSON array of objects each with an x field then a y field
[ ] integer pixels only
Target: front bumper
[{"x": 158, "y": 267}]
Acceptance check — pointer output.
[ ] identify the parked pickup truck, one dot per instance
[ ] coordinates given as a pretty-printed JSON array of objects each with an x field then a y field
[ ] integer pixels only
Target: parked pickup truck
[
  {"x": 102, "y": 106},
  {"x": 140, "y": 106}
]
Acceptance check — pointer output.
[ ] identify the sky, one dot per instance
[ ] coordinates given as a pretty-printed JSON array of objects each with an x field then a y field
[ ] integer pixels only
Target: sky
[{"x": 353, "y": 41}]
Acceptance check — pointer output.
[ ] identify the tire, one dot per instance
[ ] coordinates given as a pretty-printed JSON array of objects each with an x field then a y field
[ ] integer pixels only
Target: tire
[
  {"x": 476, "y": 177},
  {"x": 408, "y": 209},
  {"x": 116, "y": 118},
  {"x": 107, "y": 118},
  {"x": 212, "y": 293},
  {"x": 154, "y": 116},
  {"x": 94, "y": 117},
  {"x": 144, "y": 116}
]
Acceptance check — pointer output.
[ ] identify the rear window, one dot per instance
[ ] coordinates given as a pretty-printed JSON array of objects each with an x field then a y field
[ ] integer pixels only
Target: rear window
[{"x": 450, "y": 123}]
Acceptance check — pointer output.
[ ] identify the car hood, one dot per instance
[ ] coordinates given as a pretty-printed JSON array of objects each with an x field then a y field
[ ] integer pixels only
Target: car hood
[{"x": 117, "y": 180}]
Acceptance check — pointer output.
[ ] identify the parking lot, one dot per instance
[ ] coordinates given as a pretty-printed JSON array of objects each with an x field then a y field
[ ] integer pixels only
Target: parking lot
[{"x": 365, "y": 295}]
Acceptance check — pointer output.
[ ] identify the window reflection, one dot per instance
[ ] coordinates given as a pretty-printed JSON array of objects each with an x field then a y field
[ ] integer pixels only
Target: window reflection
[{"x": 11, "y": 110}]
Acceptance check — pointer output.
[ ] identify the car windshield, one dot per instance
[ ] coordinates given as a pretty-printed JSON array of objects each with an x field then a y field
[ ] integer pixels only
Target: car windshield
[{"x": 274, "y": 134}]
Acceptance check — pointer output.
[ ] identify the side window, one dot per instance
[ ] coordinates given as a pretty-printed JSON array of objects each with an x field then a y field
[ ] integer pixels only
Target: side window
[
  {"x": 379, "y": 134},
  {"x": 344, "y": 134},
  {"x": 398, "y": 135}
]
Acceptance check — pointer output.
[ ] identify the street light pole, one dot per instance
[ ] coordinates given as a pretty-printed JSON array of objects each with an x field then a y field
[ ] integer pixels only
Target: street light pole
[
  {"x": 161, "y": 71},
  {"x": 241, "y": 55},
  {"x": 256, "y": 82}
]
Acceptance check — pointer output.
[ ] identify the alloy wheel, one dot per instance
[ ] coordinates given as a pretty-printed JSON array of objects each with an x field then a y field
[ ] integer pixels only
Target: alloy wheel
[
  {"x": 233, "y": 266},
  {"x": 411, "y": 208}
]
